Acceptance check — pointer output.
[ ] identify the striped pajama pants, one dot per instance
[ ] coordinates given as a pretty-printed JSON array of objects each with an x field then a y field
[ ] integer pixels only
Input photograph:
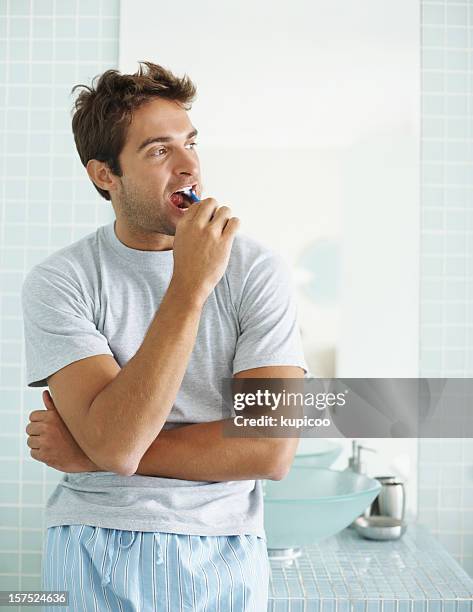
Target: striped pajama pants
[{"x": 138, "y": 571}]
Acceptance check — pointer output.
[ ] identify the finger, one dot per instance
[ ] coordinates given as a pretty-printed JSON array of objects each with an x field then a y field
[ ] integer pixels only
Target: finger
[
  {"x": 36, "y": 454},
  {"x": 34, "y": 429},
  {"x": 220, "y": 219},
  {"x": 222, "y": 211},
  {"x": 37, "y": 415},
  {"x": 221, "y": 215},
  {"x": 48, "y": 400},
  {"x": 192, "y": 210},
  {"x": 33, "y": 442},
  {"x": 231, "y": 227},
  {"x": 206, "y": 210}
]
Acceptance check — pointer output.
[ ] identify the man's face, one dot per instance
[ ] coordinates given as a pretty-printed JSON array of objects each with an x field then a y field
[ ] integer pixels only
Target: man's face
[{"x": 154, "y": 170}]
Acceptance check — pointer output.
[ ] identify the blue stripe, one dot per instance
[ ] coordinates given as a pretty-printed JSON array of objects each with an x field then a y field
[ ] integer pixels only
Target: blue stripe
[
  {"x": 135, "y": 571},
  {"x": 229, "y": 600},
  {"x": 194, "y": 602},
  {"x": 240, "y": 580}
]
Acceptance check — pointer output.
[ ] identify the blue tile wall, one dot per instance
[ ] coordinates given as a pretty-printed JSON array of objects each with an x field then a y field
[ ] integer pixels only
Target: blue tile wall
[
  {"x": 47, "y": 201},
  {"x": 446, "y": 466}
]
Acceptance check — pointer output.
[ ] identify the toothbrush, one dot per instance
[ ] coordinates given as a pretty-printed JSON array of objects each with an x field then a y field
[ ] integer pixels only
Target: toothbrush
[{"x": 190, "y": 194}]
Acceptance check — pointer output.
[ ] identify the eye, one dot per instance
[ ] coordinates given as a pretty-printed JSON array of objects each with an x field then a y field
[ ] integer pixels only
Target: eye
[
  {"x": 192, "y": 144},
  {"x": 158, "y": 151}
]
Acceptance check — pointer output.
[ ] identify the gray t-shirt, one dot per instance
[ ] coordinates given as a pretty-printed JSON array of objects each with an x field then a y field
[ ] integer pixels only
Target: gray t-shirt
[{"x": 98, "y": 296}]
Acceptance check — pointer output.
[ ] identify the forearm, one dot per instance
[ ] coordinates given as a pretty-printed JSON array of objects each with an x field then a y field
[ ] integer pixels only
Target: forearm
[
  {"x": 201, "y": 452},
  {"x": 144, "y": 391}
]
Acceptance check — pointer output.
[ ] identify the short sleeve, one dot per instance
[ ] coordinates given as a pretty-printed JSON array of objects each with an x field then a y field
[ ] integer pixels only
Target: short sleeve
[
  {"x": 269, "y": 330},
  {"x": 58, "y": 324}
]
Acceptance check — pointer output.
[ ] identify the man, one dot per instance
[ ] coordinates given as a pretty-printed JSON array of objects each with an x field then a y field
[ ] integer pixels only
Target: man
[{"x": 132, "y": 328}]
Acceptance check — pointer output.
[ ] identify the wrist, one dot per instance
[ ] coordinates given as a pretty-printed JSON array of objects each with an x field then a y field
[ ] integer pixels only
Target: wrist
[{"x": 191, "y": 298}]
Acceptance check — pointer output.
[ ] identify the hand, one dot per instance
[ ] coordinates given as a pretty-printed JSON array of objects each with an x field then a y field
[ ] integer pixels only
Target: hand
[
  {"x": 201, "y": 249},
  {"x": 51, "y": 441}
]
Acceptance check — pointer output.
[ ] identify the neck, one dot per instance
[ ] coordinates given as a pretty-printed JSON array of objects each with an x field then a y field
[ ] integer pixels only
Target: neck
[{"x": 136, "y": 238}]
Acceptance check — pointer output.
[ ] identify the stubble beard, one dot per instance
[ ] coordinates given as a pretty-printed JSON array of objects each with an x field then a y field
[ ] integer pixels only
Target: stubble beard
[{"x": 144, "y": 213}]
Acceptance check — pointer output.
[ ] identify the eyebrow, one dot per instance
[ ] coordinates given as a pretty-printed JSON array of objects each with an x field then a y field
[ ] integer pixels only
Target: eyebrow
[{"x": 152, "y": 139}]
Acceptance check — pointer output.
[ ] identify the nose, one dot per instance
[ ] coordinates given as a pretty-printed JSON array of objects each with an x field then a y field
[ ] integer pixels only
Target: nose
[{"x": 187, "y": 162}]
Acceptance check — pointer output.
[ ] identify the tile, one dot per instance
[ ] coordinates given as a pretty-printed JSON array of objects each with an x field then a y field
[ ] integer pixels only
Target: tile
[
  {"x": 9, "y": 562},
  {"x": 467, "y": 502},
  {"x": 433, "y": 81},
  {"x": 449, "y": 520},
  {"x": 66, "y": 27},
  {"x": 42, "y": 27},
  {"x": 456, "y": 37},
  {"x": 31, "y": 562},
  {"x": 88, "y": 27},
  {"x": 451, "y": 451},
  {"x": 432, "y": 59},
  {"x": 110, "y": 7},
  {"x": 432, "y": 36},
  {"x": 31, "y": 517},
  {"x": 416, "y": 567},
  {"x": 432, "y": 14},
  {"x": 10, "y": 539},
  {"x": 457, "y": 104},
  {"x": 89, "y": 7},
  {"x": 451, "y": 476},
  {"x": 428, "y": 497},
  {"x": 456, "y": 196},
  {"x": 32, "y": 493},
  {"x": 10, "y": 493},
  {"x": 456, "y": 15},
  {"x": 32, "y": 540},
  {"x": 67, "y": 8},
  {"x": 9, "y": 517},
  {"x": 19, "y": 27},
  {"x": 450, "y": 498}
]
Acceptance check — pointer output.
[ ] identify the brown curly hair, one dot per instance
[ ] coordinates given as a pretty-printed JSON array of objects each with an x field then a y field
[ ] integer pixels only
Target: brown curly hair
[{"x": 103, "y": 112}]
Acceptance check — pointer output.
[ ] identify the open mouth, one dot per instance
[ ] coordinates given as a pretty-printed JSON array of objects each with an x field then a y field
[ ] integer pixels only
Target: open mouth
[{"x": 181, "y": 198}]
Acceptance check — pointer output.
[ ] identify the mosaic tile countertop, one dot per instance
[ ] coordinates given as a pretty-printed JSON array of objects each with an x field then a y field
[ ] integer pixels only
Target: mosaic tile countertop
[{"x": 347, "y": 573}]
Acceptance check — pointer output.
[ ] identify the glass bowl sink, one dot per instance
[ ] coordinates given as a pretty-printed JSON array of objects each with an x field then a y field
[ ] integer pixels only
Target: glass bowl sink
[
  {"x": 317, "y": 453},
  {"x": 311, "y": 504}
]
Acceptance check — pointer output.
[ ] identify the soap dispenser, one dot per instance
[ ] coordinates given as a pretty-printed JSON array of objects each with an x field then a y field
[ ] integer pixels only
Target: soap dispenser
[{"x": 354, "y": 462}]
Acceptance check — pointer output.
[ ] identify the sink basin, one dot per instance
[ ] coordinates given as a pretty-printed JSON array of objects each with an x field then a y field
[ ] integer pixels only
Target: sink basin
[
  {"x": 317, "y": 453},
  {"x": 311, "y": 504}
]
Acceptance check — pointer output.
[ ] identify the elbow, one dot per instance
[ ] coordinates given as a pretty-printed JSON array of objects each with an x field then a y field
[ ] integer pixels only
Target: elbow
[
  {"x": 278, "y": 471},
  {"x": 279, "y": 461},
  {"x": 126, "y": 470},
  {"x": 128, "y": 465},
  {"x": 125, "y": 466},
  {"x": 111, "y": 459},
  {"x": 117, "y": 465}
]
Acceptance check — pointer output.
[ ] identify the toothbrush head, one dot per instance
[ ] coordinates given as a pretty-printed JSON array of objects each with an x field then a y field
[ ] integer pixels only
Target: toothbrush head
[{"x": 191, "y": 195}]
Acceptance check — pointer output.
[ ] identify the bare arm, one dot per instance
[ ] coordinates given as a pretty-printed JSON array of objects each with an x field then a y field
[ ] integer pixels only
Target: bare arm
[
  {"x": 144, "y": 391},
  {"x": 201, "y": 452},
  {"x": 193, "y": 452}
]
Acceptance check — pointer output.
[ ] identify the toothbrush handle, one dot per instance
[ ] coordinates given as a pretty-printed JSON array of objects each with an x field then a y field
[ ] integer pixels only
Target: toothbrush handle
[{"x": 193, "y": 196}]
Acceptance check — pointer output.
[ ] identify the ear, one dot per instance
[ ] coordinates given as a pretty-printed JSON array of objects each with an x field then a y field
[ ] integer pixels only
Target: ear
[{"x": 101, "y": 175}]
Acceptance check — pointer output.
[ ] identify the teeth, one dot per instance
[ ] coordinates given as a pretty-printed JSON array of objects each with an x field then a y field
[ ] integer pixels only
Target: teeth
[{"x": 185, "y": 190}]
